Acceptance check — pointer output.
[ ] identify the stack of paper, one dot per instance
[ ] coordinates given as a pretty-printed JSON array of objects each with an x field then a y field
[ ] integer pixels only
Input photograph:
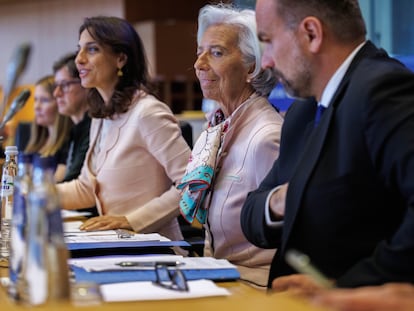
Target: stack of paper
[
  {"x": 115, "y": 263},
  {"x": 108, "y": 242},
  {"x": 66, "y": 214},
  {"x": 129, "y": 277},
  {"x": 112, "y": 269}
]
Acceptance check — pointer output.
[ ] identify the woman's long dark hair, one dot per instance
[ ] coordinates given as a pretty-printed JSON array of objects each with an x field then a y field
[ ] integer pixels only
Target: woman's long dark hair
[{"x": 121, "y": 37}]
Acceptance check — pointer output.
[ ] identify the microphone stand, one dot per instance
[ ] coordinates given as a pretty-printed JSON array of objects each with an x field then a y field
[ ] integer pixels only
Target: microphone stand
[
  {"x": 14, "y": 71},
  {"x": 17, "y": 104}
]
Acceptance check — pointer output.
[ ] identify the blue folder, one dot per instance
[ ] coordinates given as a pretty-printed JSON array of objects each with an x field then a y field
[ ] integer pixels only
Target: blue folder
[
  {"x": 124, "y": 243},
  {"x": 105, "y": 277},
  {"x": 123, "y": 247}
]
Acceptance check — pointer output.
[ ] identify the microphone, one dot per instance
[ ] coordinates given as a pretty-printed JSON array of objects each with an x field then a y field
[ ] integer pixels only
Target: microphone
[
  {"x": 14, "y": 70},
  {"x": 16, "y": 106}
]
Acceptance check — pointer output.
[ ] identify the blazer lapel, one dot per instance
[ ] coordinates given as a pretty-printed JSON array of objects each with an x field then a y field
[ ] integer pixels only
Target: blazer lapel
[
  {"x": 304, "y": 170},
  {"x": 316, "y": 141},
  {"x": 111, "y": 138}
]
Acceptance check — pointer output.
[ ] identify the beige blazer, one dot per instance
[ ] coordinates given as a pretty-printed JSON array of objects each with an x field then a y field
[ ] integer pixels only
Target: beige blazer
[
  {"x": 142, "y": 156},
  {"x": 250, "y": 146}
]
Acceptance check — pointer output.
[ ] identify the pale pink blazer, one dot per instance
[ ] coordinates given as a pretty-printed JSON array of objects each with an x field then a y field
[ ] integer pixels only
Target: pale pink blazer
[
  {"x": 250, "y": 147},
  {"x": 143, "y": 156}
]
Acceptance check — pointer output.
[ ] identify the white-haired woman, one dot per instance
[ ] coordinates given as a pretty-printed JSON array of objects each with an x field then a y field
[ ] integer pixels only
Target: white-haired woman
[{"x": 233, "y": 155}]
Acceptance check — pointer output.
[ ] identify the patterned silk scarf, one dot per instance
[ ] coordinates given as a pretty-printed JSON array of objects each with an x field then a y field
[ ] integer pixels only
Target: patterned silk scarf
[{"x": 198, "y": 179}]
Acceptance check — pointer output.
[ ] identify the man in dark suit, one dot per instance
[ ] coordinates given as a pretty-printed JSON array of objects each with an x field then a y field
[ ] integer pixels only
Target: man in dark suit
[{"x": 342, "y": 190}]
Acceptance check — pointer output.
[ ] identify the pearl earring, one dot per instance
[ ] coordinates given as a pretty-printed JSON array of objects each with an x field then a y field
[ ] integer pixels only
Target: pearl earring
[{"x": 119, "y": 72}]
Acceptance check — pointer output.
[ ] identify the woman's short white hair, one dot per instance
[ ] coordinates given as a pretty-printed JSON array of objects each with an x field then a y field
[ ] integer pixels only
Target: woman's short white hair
[{"x": 263, "y": 81}]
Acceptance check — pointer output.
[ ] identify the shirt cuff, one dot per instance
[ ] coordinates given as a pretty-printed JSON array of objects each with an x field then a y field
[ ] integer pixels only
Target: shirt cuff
[{"x": 269, "y": 221}]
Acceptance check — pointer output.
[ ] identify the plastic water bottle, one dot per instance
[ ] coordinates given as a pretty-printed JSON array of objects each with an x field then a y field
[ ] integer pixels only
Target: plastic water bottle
[
  {"x": 7, "y": 189},
  {"x": 17, "y": 261},
  {"x": 47, "y": 271}
]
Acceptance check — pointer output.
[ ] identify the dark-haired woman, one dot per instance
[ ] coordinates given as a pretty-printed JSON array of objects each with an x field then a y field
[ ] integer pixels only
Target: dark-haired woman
[{"x": 136, "y": 152}]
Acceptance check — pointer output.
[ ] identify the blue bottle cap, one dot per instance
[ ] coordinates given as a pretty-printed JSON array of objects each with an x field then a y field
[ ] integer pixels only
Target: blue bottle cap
[
  {"x": 25, "y": 157},
  {"x": 44, "y": 162}
]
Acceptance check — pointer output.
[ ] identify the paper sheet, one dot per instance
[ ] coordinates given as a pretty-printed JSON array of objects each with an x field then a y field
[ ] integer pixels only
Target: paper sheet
[
  {"x": 73, "y": 234},
  {"x": 100, "y": 236},
  {"x": 73, "y": 226},
  {"x": 133, "y": 291},
  {"x": 70, "y": 214},
  {"x": 108, "y": 263}
]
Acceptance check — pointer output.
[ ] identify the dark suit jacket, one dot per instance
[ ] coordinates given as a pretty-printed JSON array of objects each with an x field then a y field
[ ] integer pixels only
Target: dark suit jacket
[{"x": 350, "y": 201}]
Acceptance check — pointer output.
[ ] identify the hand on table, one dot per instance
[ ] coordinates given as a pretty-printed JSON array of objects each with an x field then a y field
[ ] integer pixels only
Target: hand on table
[
  {"x": 106, "y": 223},
  {"x": 391, "y": 296},
  {"x": 296, "y": 284}
]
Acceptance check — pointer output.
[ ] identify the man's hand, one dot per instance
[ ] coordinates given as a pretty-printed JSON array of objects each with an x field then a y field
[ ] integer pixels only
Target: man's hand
[
  {"x": 277, "y": 203},
  {"x": 296, "y": 284},
  {"x": 391, "y": 296},
  {"x": 106, "y": 223}
]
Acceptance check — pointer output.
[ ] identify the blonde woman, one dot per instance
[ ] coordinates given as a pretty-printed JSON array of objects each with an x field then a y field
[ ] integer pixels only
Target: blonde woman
[{"x": 50, "y": 130}]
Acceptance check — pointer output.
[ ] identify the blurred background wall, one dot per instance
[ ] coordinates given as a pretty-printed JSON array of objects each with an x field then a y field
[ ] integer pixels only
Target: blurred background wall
[{"x": 168, "y": 30}]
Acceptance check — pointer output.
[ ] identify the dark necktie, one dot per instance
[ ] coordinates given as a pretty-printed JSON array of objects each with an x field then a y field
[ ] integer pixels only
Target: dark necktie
[{"x": 319, "y": 111}]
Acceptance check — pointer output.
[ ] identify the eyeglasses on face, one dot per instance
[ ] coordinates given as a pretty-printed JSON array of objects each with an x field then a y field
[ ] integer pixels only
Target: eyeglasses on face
[
  {"x": 43, "y": 99},
  {"x": 172, "y": 278},
  {"x": 65, "y": 85}
]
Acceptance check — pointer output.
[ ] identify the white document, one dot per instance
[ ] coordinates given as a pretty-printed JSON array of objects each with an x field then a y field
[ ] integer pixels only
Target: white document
[
  {"x": 111, "y": 263},
  {"x": 73, "y": 234},
  {"x": 133, "y": 291},
  {"x": 73, "y": 226},
  {"x": 111, "y": 236},
  {"x": 70, "y": 214}
]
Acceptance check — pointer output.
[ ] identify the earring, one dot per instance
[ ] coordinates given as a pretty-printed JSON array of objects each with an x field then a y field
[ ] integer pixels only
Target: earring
[{"x": 119, "y": 72}]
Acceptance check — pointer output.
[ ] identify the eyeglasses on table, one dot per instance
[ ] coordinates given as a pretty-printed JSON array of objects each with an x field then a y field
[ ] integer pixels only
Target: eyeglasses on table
[
  {"x": 170, "y": 278},
  {"x": 124, "y": 234}
]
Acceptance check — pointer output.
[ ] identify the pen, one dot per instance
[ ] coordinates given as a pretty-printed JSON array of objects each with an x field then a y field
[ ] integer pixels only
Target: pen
[
  {"x": 301, "y": 263},
  {"x": 149, "y": 263}
]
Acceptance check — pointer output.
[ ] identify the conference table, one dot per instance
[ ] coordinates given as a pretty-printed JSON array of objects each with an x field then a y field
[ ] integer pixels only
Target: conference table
[{"x": 243, "y": 297}]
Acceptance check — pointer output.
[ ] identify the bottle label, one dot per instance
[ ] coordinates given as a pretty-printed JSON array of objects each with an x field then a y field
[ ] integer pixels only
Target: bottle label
[
  {"x": 55, "y": 224},
  {"x": 17, "y": 235},
  {"x": 7, "y": 185},
  {"x": 36, "y": 271},
  {"x": 8, "y": 209}
]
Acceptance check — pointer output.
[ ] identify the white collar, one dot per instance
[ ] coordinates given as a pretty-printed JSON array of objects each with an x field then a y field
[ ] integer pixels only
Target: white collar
[{"x": 337, "y": 77}]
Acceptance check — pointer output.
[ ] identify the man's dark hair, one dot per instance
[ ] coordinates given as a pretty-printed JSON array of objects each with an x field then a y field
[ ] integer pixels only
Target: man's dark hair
[{"x": 342, "y": 17}]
